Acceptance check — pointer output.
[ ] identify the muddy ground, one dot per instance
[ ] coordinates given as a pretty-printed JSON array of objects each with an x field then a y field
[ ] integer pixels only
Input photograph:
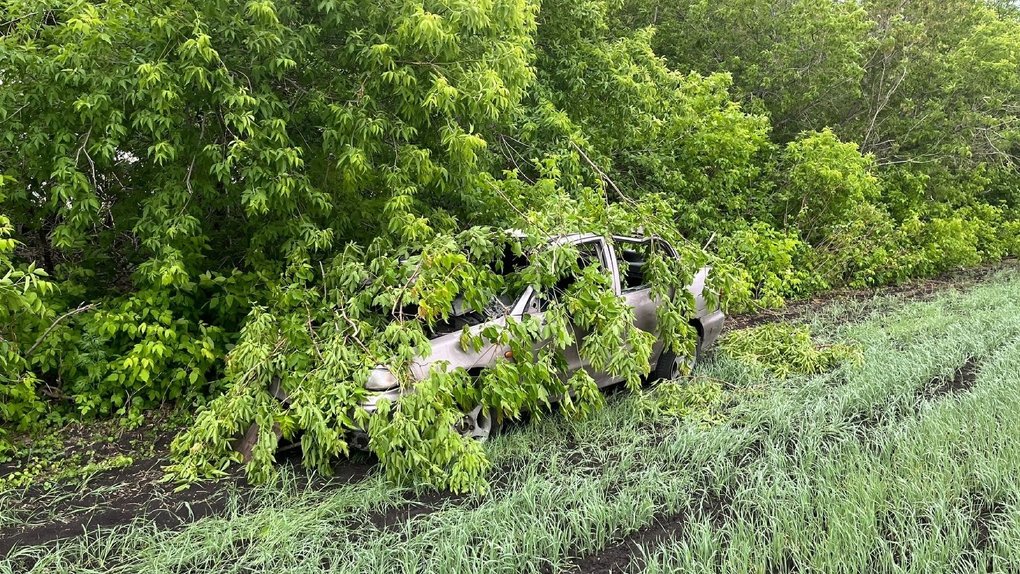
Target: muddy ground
[
  {"x": 50, "y": 512},
  {"x": 44, "y": 513}
]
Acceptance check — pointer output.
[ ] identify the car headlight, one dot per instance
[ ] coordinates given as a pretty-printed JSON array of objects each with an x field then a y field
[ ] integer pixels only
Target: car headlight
[{"x": 381, "y": 379}]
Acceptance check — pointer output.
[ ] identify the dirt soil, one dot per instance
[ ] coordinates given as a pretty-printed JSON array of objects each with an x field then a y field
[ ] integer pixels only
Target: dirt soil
[
  {"x": 48, "y": 513},
  {"x": 622, "y": 555}
]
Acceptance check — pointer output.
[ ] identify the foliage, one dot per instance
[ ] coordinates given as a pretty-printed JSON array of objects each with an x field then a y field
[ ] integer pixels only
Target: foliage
[
  {"x": 922, "y": 84},
  {"x": 231, "y": 195},
  {"x": 154, "y": 147},
  {"x": 152, "y": 347},
  {"x": 22, "y": 306},
  {"x": 866, "y": 250},
  {"x": 924, "y": 89},
  {"x": 826, "y": 181},
  {"x": 374, "y": 308},
  {"x": 389, "y": 103},
  {"x": 941, "y": 82},
  {"x": 656, "y": 130},
  {"x": 802, "y": 60},
  {"x": 49, "y": 472},
  {"x": 695, "y": 399},
  {"x": 774, "y": 263},
  {"x": 783, "y": 350}
]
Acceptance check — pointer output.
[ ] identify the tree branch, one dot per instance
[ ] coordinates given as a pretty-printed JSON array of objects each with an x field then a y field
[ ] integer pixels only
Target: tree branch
[
  {"x": 601, "y": 173},
  {"x": 81, "y": 309}
]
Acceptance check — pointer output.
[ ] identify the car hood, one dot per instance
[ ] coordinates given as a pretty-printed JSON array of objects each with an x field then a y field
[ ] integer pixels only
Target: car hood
[{"x": 448, "y": 348}]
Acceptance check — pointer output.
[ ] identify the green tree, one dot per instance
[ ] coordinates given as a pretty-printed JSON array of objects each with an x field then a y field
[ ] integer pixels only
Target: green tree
[
  {"x": 940, "y": 87},
  {"x": 153, "y": 150},
  {"x": 319, "y": 165},
  {"x": 801, "y": 60},
  {"x": 651, "y": 129}
]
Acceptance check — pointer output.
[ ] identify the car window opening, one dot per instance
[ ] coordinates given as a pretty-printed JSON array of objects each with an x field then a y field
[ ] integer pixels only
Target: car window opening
[
  {"x": 633, "y": 258},
  {"x": 587, "y": 254}
]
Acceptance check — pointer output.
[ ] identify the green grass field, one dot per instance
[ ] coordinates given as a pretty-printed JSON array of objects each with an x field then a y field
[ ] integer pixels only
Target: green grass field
[{"x": 906, "y": 461}]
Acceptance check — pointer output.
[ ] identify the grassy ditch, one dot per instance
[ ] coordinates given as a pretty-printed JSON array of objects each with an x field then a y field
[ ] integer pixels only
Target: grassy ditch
[{"x": 906, "y": 459}]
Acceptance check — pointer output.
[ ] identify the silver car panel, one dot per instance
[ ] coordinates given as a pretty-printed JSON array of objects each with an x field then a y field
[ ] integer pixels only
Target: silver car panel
[{"x": 447, "y": 348}]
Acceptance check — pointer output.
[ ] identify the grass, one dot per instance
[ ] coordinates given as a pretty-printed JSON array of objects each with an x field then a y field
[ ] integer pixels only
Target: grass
[{"x": 905, "y": 461}]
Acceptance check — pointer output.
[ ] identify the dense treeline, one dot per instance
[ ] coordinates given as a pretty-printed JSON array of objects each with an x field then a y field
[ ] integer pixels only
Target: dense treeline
[{"x": 201, "y": 197}]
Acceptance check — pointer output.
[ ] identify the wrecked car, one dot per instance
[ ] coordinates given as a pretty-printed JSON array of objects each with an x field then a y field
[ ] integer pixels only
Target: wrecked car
[{"x": 625, "y": 264}]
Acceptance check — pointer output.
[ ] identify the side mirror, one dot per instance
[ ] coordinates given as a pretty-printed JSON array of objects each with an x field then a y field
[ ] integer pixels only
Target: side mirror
[
  {"x": 534, "y": 306},
  {"x": 530, "y": 302}
]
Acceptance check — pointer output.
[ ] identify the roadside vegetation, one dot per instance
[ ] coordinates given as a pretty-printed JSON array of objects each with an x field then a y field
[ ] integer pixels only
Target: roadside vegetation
[
  {"x": 200, "y": 199},
  {"x": 206, "y": 205},
  {"x": 902, "y": 459}
]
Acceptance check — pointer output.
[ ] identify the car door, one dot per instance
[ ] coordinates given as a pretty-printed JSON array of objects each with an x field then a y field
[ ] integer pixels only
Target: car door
[
  {"x": 632, "y": 255},
  {"x": 591, "y": 251}
]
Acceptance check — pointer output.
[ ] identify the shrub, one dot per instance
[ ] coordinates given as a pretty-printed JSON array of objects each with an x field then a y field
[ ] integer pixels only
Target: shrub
[
  {"x": 826, "y": 181},
  {"x": 950, "y": 242},
  {"x": 773, "y": 262},
  {"x": 867, "y": 251},
  {"x": 22, "y": 313}
]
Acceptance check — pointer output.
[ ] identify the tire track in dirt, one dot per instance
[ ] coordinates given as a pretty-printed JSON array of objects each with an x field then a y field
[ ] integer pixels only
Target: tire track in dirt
[
  {"x": 963, "y": 379},
  {"x": 619, "y": 556},
  {"x": 627, "y": 553}
]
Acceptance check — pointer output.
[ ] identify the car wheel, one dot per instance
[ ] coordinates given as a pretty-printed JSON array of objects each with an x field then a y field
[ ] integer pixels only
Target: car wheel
[
  {"x": 671, "y": 366},
  {"x": 478, "y": 424}
]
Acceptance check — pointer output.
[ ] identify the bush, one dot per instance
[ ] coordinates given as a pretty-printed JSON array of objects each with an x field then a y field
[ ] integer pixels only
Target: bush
[
  {"x": 826, "y": 182},
  {"x": 970, "y": 236},
  {"x": 136, "y": 353},
  {"x": 773, "y": 263},
  {"x": 22, "y": 314},
  {"x": 867, "y": 251}
]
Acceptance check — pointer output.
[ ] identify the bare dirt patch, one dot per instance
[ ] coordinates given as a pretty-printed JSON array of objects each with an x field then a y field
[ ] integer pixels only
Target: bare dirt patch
[
  {"x": 118, "y": 498},
  {"x": 616, "y": 557},
  {"x": 963, "y": 379},
  {"x": 414, "y": 507},
  {"x": 628, "y": 552}
]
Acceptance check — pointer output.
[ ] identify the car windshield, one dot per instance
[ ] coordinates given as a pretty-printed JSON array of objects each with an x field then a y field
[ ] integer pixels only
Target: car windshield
[{"x": 509, "y": 267}]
